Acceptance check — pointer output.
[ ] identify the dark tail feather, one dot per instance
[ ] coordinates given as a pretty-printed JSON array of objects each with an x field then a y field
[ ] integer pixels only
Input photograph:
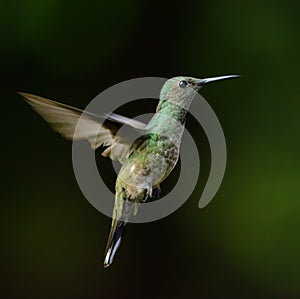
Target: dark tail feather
[{"x": 114, "y": 241}]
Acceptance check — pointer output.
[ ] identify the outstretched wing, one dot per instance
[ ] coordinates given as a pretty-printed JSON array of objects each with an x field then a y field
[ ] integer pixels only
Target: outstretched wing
[{"x": 63, "y": 119}]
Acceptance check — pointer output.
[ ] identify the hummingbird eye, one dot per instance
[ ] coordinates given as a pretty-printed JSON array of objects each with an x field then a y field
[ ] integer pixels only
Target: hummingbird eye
[{"x": 183, "y": 84}]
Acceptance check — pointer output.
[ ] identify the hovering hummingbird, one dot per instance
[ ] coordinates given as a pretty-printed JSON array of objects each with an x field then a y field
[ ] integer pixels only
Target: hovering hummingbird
[{"x": 146, "y": 161}]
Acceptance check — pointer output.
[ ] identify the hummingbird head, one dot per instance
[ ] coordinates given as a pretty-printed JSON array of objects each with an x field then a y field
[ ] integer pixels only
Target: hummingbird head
[{"x": 181, "y": 90}]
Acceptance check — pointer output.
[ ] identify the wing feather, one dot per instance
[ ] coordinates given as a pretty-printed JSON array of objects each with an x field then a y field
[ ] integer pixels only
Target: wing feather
[{"x": 63, "y": 119}]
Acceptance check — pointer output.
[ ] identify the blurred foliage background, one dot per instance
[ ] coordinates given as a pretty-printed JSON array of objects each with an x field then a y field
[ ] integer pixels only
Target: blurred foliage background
[{"x": 245, "y": 243}]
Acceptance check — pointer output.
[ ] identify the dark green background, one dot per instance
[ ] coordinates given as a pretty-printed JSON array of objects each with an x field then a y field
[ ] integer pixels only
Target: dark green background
[{"x": 245, "y": 243}]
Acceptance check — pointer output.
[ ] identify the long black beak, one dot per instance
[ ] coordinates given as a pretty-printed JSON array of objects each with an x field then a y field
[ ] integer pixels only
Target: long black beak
[{"x": 213, "y": 79}]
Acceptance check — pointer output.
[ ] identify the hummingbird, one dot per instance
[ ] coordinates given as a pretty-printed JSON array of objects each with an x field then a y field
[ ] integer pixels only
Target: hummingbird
[{"x": 146, "y": 161}]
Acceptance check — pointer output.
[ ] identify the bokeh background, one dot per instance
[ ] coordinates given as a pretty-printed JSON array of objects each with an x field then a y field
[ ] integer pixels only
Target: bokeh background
[{"x": 245, "y": 243}]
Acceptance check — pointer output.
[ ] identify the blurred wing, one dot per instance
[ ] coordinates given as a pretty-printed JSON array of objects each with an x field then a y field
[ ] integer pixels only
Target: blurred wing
[
  {"x": 63, "y": 119},
  {"x": 125, "y": 120}
]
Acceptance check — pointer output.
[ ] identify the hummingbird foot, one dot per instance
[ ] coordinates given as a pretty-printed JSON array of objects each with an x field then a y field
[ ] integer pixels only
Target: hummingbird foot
[
  {"x": 155, "y": 195},
  {"x": 147, "y": 194}
]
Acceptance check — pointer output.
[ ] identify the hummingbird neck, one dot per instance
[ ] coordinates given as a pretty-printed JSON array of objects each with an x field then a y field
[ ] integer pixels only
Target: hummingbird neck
[
  {"x": 172, "y": 110},
  {"x": 168, "y": 121}
]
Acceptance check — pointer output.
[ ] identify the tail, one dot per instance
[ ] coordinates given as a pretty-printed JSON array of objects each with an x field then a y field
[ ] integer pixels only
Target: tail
[
  {"x": 114, "y": 241},
  {"x": 122, "y": 211}
]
